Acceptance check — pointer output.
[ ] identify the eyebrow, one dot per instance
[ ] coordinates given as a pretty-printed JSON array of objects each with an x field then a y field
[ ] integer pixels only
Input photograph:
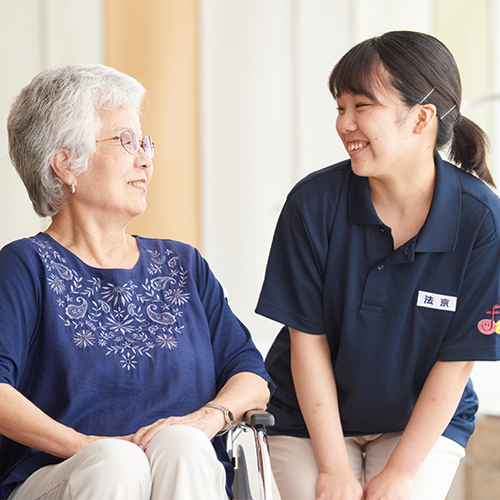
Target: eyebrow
[{"x": 373, "y": 99}]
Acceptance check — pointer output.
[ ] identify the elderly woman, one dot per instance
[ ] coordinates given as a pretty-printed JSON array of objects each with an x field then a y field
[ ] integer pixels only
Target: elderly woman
[{"x": 120, "y": 359}]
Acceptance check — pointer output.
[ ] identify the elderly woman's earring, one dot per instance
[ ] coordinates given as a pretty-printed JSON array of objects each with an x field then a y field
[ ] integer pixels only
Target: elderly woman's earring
[{"x": 72, "y": 189}]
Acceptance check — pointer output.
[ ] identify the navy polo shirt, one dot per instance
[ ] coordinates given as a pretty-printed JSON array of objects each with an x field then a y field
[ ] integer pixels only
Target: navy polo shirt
[{"x": 388, "y": 314}]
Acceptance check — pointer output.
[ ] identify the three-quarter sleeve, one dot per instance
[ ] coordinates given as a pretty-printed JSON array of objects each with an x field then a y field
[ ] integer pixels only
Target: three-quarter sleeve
[
  {"x": 233, "y": 349},
  {"x": 20, "y": 306}
]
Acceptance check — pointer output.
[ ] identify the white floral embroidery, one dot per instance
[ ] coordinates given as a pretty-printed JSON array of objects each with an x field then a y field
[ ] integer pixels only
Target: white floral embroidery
[
  {"x": 177, "y": 297},
  {"x": 128, "y": 361},
  {"x": 167, "y": 341},
  {"x": 115, "y": 293},
  {"x": 157, "y": 257},
  {"x": 57, "y": 284},
  {"x": 128, "y": 319},
  {"x": 84, "y": 339}
]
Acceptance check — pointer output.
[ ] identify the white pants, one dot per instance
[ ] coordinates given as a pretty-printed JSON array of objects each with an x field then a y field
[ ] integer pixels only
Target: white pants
[
  {"x": 295, "y": 469},
  {"x": 179, "y": 464}
]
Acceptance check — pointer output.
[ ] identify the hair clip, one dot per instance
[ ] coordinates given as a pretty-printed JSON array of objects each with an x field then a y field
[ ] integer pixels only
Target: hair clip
[
  {"x": 451, "y": 109},
  {"x": 423, "y": 100}
]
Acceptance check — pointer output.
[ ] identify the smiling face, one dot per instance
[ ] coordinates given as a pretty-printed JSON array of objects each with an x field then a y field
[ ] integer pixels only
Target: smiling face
[
  {"x": 115, "y": 183},
  {"x": 378, "y": 132}
]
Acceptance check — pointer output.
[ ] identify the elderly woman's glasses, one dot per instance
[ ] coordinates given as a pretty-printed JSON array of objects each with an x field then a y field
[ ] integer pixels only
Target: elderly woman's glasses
[{"x": 131, "y": 143}]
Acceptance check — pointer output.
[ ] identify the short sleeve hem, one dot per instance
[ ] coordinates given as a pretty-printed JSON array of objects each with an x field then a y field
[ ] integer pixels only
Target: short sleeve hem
[
  {"x": 289, "y": 319},
  {"x": 478, "y": 354}
]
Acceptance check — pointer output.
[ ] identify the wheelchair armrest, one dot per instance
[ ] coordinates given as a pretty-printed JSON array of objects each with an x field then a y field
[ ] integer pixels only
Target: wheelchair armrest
[
  {"x": 256, "y": 421},
  {"x": 259, "y": 417}
]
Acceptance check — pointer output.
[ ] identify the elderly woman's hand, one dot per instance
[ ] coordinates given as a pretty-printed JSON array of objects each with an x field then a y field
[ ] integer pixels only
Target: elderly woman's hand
[
  {"x": 242, "y": 392},
  {"x": 208, "y": 420}
]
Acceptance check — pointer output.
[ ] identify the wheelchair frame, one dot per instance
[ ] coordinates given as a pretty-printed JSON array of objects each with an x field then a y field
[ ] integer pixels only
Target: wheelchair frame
[{"x": 255, "y": 421}]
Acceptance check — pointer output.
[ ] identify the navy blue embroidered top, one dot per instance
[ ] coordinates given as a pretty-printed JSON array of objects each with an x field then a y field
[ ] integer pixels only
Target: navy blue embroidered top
[
  {"x": 388, "y": 314},
  {"x": 107, "y": 351}
]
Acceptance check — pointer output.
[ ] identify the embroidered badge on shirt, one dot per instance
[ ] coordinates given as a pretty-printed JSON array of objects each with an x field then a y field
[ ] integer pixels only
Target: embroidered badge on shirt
[
  {"x": 489, "y": 326},
  {"x": 436, "y": 301}
]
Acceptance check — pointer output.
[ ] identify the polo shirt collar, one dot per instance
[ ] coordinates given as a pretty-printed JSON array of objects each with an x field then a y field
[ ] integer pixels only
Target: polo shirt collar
[
  {"x": 440, "y": 230},
  {"x": 360, "y": 209}
]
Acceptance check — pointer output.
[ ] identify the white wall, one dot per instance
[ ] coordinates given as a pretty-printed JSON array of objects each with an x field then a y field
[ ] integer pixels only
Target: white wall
[
  {"x": 20, "y": 55},
  {"x": 268, "y": 119},
  {"x": 495, "y": 85},
  {"x": 36, "y": 34}
]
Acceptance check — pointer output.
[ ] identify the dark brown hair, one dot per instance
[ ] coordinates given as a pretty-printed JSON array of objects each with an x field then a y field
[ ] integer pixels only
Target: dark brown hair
[{"x": 417, "y": 64}]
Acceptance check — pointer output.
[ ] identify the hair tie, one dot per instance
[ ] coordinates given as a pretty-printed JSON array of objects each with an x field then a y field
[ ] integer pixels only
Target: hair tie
[{"x": 458, "y": 120}]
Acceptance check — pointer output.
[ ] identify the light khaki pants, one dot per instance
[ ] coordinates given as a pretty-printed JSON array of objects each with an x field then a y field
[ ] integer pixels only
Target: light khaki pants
[
  {"x": 295, "y": 470},
  {"x": 179, "y": 464}
]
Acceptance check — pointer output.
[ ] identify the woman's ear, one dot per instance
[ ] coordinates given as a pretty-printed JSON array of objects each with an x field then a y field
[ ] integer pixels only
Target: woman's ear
[
  {"x": 425, "y": 117},
  {"x": 60, "y": 165}
]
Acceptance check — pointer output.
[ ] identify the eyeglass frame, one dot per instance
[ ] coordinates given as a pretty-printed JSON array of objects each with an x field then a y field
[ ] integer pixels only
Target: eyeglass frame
[{"x": 140, "y": 142}]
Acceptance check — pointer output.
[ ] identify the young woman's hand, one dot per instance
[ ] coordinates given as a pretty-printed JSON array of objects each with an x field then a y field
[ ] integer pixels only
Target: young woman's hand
[
  {"x": 338, "y": 486},
  {"x": 388, "y": 486}
]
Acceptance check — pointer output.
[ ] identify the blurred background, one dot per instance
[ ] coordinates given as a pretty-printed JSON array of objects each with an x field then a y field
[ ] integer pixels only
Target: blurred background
[{"x": 239, "y": 109}]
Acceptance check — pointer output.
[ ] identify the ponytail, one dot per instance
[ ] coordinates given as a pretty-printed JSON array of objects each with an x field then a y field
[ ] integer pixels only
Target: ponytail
[{"x": 468, "y": 149}]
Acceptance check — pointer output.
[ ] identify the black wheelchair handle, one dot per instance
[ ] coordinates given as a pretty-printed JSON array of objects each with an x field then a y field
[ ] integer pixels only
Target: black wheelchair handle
[{"x": 259, "y": 417}]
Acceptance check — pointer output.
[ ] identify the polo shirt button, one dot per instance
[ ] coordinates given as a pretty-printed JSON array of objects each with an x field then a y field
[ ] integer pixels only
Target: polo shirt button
[
  {"x": 382, "y": 230},
  {"x": 380, "y": 267}
]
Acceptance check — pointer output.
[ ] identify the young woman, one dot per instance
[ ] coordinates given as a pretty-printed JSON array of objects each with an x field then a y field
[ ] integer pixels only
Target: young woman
[{"x": 384, "y": 269}]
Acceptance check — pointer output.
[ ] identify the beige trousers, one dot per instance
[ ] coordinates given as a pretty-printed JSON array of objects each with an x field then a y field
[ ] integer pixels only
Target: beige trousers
[
  {"x": 179, "y": 464},
  {"x": 295, "y": 470}
]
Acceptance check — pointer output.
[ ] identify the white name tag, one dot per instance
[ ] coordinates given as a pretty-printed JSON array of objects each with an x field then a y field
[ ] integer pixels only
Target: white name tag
[{"x": 436, "y": 301}]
